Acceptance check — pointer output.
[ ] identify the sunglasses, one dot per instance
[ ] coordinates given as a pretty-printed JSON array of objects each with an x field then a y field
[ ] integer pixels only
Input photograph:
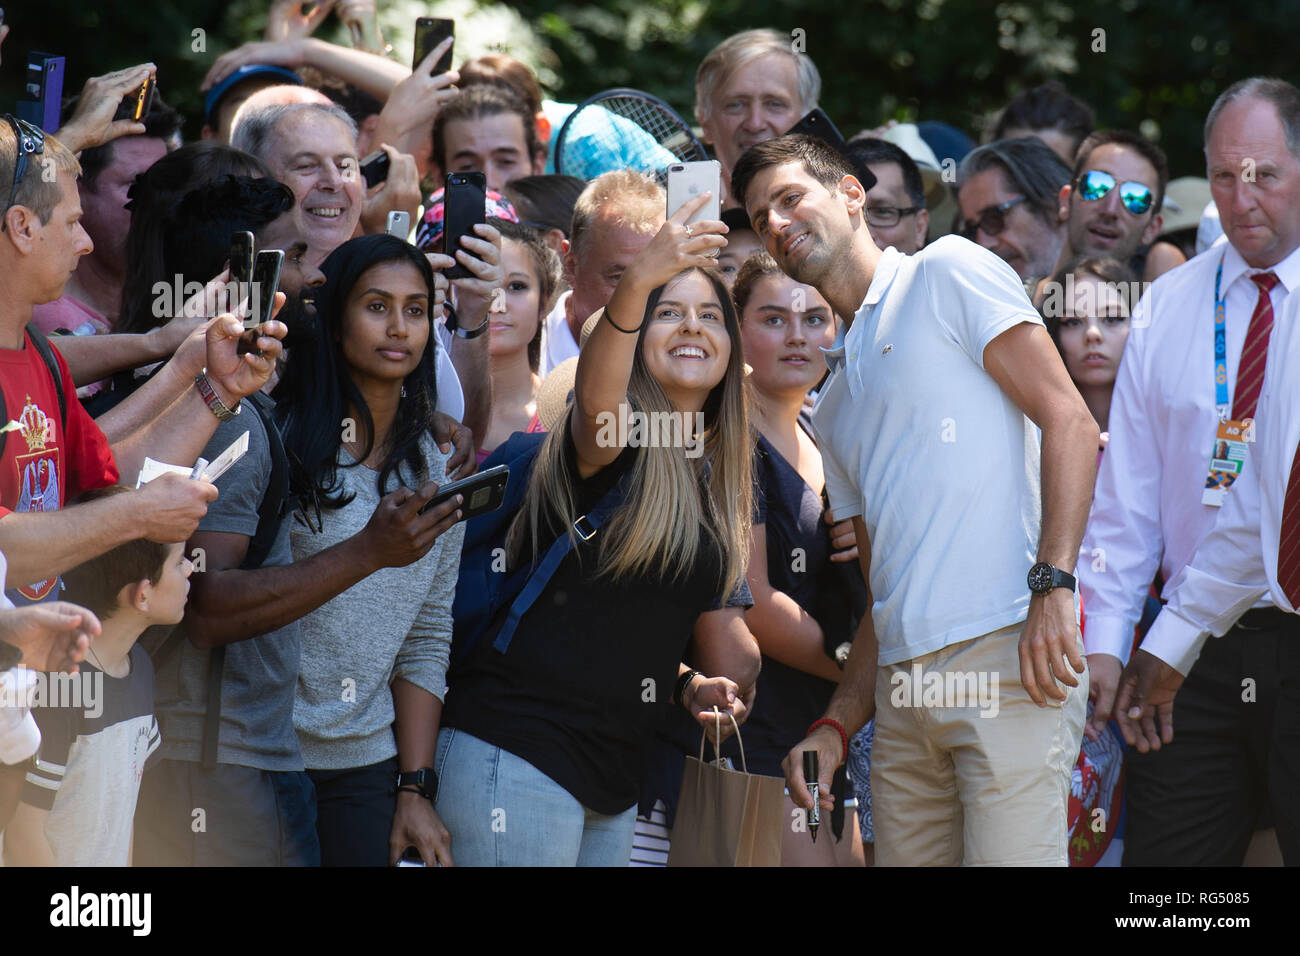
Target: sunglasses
[
  {"x": 992, "y": 219},
  {"x": 29, "y": 141},
  {"x": 1094, "y": 184}
]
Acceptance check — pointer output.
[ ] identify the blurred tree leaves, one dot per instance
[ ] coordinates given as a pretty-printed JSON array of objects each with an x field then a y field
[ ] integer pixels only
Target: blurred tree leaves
[{"x": 1158, "y": 65}]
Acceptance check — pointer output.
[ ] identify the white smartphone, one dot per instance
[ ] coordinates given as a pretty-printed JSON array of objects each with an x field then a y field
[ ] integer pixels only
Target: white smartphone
[
  {"x": 399, "y": 224},
  {"x": 688, "y": 180}
]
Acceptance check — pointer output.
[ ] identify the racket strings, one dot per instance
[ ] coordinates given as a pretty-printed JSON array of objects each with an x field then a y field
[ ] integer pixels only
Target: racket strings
[{"x": 626, "y": 132}]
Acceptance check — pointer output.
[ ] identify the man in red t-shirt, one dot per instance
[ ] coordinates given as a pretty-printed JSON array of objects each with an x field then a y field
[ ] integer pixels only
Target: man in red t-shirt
[{"x": 45, "y": 464}]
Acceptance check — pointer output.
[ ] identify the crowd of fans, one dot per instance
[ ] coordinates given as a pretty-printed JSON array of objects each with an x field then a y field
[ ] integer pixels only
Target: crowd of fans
[{"x": 901, "y": 374}]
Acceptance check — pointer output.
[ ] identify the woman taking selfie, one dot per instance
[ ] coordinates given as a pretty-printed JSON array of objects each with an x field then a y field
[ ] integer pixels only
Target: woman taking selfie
[
  {"x": 540, "y": 754},
  {"x": 357, "y": 409}
]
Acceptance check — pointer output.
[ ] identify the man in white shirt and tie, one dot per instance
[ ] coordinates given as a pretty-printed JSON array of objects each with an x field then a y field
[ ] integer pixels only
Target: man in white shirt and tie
[{"x": 1188, "y": 390}]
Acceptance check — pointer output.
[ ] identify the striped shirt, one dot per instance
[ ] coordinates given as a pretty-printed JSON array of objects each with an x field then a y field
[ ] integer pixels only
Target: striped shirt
[{"x": 98, "y": 735}]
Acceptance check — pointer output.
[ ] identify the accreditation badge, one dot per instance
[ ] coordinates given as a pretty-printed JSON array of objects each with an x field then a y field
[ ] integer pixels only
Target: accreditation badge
[{"x": 1227, "y": 458}]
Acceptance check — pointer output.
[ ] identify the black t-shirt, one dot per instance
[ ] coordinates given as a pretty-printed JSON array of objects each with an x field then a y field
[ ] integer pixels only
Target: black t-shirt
[
  {"x": 798, "y": 563},
  {"x": 591, "y": 663}
]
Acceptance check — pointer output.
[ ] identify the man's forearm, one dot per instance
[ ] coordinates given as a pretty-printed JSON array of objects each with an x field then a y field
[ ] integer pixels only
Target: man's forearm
[
  {"x": 143, "y": 405},
  {"x": 234, "y": 605},
  {"x": 93, "y": 357},
  {"x": 40, "y": 545},
  {"x": 176, "y": 436},
  {"x": 1069, "y": 472},
  {"x": 854, "y": 700}
]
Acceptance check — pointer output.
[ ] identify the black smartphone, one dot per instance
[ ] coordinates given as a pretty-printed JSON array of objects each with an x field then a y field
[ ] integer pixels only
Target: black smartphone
[
  {"x": 464, "y": 206},
  {"x": 241, "y": 259},
  {"x": 266, "y": 280},
  {"x": 144, "y": 99},
  {"x": 429, "y": 32},
  {"x": 819, "y": 124},
  {"x": 374, "y": 168},
  {"x": 44, "y": 91},
  {"x": 483, "y": 492}
]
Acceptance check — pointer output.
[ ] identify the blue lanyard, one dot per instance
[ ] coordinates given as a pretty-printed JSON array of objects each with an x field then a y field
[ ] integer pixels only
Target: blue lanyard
[{"x": 1220, "y": 349}]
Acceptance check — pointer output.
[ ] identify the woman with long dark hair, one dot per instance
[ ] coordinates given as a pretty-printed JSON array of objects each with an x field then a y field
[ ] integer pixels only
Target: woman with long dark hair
[
  {"x": 540, "y": 755},
  {"x": 357, "y": 409}
]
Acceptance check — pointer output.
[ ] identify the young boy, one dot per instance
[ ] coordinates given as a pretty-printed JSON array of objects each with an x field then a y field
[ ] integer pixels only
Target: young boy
[{"x": 79, "y": 799}]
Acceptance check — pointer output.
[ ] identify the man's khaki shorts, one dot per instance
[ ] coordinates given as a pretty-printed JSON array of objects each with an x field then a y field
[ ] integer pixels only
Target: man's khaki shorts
[{"x": 966, "y": 768}]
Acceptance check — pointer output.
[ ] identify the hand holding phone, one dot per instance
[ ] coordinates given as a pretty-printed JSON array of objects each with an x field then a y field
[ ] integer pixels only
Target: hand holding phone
[
  {"x": 688, "y": 180},
  {"x": 374, "y": 168},
  {"x": 483, "y": 492},
  {"x": 429, "y": 32},
  {"x": 464, "y": 207}
]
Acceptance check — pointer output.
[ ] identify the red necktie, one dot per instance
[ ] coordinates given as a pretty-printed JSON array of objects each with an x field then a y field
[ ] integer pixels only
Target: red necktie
[
  {"x": 1254, "y": 354},
  {"x": 1288, "y": 550}
]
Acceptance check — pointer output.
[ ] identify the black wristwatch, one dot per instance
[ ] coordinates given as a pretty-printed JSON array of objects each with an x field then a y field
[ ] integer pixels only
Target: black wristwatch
[
  {"x": 423, "y": 781},
  {"x": 1043, "y": 578}
]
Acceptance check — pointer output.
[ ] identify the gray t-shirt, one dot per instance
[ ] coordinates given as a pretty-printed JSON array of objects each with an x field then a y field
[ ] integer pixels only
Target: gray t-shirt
[
  {"x": 260, "y": 673},
  {"x": 395, "y": 623}
]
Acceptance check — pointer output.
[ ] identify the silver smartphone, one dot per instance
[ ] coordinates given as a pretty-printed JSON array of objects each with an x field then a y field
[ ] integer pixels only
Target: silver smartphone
[
  {"x": 398, "y": 224},
  {"x": 688, "y": 180}
]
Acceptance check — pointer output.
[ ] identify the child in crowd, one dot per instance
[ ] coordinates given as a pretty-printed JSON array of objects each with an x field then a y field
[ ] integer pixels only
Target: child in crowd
[{"x": 79, "y": 798}]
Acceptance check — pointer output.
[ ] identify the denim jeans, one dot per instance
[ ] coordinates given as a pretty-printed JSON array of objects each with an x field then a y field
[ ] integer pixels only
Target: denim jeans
[{"x": 503, "y": 811}]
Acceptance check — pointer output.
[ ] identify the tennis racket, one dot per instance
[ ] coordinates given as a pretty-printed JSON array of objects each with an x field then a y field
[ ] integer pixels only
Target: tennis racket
[{"x": 624, "y": 129}]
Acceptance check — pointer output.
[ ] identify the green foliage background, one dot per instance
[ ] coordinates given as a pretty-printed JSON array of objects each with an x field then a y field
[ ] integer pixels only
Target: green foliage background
[{"x": 952, "y": 60}]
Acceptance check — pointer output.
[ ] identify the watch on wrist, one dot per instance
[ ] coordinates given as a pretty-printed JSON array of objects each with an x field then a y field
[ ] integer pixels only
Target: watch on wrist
[
  {"x": 423, "y": 781},
  {"x": 453, "y": 324},
  {"x": 1043, "y": 578}
]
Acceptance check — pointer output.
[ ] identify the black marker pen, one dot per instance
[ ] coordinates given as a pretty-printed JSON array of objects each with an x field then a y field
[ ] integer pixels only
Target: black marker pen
[{"x": 814, "y": 788}]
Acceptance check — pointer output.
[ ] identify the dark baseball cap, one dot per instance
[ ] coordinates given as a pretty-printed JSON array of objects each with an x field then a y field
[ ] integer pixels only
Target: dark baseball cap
[{"x": 251, "y": 71}]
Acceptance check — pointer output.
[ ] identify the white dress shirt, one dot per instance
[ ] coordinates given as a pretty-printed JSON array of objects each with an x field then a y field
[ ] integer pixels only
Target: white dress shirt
[
  {"x": 558, "y": 343},
  {"x": 1147, "y": 511},
  {"x": 1236, "y": 564}
]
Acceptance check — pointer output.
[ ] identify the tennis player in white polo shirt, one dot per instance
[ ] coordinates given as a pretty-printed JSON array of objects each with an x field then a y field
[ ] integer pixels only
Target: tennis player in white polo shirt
[{"x": 968, "y": 527}]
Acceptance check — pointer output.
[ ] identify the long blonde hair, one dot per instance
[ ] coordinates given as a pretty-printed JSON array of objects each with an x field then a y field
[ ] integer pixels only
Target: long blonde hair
[{"x": 671, "y": 500}]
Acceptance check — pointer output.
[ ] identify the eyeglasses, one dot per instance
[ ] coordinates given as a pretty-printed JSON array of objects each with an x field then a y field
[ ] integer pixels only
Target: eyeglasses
[
  {"x": 29, "y": 141},
  {"x": 1094, "y": 184},
  {"x": 886, "y": 216},
  {"x": 992, "y": 219}
]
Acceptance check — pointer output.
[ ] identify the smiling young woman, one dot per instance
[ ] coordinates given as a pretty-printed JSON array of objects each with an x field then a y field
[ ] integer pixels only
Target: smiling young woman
[{"x": 541, "y": 754}]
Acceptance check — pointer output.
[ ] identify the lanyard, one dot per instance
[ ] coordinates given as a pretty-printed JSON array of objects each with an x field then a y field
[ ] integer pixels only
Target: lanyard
[{"x": 1220, "y": 349}]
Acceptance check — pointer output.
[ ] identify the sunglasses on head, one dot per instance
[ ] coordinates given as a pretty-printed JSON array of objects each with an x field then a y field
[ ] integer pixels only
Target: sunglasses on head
[
  {"x": 992, "y": 219},
  {"x": 29, "y": 140},
  {"x": 1094, "y": 184}
]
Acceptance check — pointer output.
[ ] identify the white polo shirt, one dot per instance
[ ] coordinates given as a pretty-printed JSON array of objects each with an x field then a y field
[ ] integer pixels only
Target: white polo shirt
[{"x": 922, "y": 443}]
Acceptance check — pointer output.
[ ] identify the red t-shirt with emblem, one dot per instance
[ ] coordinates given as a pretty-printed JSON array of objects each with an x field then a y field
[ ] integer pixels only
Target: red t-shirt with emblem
[{"x": 42, "y": 467}]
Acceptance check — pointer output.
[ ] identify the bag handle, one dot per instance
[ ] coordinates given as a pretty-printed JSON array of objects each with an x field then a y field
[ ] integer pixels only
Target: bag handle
[{"x": 717, "y": 747}]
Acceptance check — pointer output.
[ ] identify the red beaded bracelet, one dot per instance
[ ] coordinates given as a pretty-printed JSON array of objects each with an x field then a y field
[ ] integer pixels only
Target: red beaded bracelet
[{"x": 844, "y": 738}]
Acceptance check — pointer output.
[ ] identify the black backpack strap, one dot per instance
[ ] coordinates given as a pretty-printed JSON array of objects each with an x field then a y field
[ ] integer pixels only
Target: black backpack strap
[
  {"x": 269, "y": 516},
  {"x": 46, "y": 352}
]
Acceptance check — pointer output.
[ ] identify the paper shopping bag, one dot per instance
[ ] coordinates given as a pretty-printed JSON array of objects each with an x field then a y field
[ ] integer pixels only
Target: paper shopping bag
[{"x": 727, "y": 817}]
